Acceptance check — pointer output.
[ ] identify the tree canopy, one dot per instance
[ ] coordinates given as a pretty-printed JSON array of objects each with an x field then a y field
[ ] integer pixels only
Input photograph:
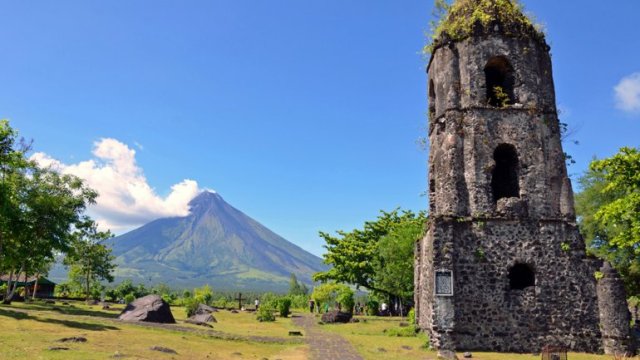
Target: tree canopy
[
  {"x": 39, "y": 210},
  {"x": 378, "y": 257},
  {"x": 608, "y": 211}
]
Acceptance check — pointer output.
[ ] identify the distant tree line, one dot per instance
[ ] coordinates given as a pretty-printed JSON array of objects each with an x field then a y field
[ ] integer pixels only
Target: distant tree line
[{"x": 42, "y": 216}]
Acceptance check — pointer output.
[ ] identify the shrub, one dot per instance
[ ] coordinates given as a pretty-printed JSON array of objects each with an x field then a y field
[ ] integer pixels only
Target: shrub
[
  {"x": 265, "y": 313},
  {"x": 190, "y": 305},
  {"x": 372, "y": 307},
  {"x": 412, "y": 317},
  {"x": 283, "y": 306},
  {"x": 129, "y": 298},
  {"x": 269, "y": 300},
  {"x": 345, "y": 299},
  {"x": 204, "y": 294},
  {"x": 220, "y": 303}
]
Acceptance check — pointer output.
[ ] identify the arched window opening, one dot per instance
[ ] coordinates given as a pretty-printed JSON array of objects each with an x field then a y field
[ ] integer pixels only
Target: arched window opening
[
  {"x": 432, "y": 98},
  {"x": 504, "y": 181},
  {"x": 499, "y": 79},
  {"x": 521, "y": 276}
]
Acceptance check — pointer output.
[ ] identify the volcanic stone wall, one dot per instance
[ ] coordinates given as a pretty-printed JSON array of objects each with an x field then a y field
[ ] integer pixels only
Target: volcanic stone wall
[
  {"x": 485, "y": 313},
  {"x": 478, "y": 237}
]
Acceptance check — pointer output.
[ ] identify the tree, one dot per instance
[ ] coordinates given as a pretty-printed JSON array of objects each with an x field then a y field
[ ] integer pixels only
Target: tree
[
  {"x": 89, "y": 257},
  {"x": 394, "y": 262},
  {"x": 608, "y": 211},
  {"x": 296, "y": 287},
  {"x": 328, "y": 293},
  {"x": 357, "y": 258}
]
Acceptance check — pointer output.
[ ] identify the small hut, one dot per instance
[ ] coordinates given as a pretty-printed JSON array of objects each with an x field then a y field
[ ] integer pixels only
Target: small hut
[{"x": 42, "y": 286}]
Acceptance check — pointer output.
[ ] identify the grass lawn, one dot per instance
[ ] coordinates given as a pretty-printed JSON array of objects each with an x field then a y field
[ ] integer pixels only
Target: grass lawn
[
  {"x": 30, "y": 334},
  {"x": 371, "y": 341}
]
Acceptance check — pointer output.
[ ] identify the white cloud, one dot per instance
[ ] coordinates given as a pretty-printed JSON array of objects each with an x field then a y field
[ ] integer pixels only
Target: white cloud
[
  {"x": 628, "y": 93},
  {"x": 126, "y": 200}
]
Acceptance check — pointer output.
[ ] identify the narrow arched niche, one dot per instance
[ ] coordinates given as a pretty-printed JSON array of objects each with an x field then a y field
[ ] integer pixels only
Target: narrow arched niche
[
  {"x": 521, "y": 276},
  {"x": 432, "y": 98},
  {"x": 499, "y": 81},
  {"x": 504, "y": 177}
]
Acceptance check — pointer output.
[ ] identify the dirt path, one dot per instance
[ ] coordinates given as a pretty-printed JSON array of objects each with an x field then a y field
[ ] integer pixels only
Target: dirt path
[{"x": 324, "y": 345}]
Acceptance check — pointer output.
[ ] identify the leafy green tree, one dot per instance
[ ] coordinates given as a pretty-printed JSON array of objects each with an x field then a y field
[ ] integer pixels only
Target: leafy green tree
[
  {"x": 358, "y": 258},
  {"x": 203, "y": 294},
  {"x": 394, "y": 262},
  {"x": 296, "y": 287},
  {"x": 328, "y": 294},
  {"x": 89, "y": 257},
  {"x": 608, "y": 211}
]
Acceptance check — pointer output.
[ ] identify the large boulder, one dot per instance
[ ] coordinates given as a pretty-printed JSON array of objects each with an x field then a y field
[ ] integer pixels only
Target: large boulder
[
  {"x": 150, "y": 308},
  {"x": 205, "y": 318},
  {"x": 205, "y": 309},
  {"x": 336, "y": 316}
]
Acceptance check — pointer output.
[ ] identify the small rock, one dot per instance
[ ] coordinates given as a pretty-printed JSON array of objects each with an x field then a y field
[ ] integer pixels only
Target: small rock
[
  {"x": 117, "y": 355},
  {"x": 74, "y": 339},
  {"x": 163, "y": 349},
  {"x": 49, "y": 302},
  {"x": 404, "y": 324},
  {"x": 65, "y": 303},
  {"x": 295, "y": 333},
  {"x": 55, "y": 348},
  {"x": 382, "y": 350},
  {"x": 354, "y": 320},
  {"x": 406, "y": 347},
  {"x": 105, "y": 307},
  {"x": 234, "y": 311},
  {"x": 237, "y": 354},
  {"x": 467, "y": 355}
]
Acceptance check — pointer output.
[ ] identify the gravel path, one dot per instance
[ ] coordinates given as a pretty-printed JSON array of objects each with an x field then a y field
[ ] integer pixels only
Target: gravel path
[{"x": 325, "y": 345}]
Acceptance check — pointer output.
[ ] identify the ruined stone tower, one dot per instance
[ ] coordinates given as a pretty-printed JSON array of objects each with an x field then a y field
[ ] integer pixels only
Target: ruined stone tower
[{"x": 503, "y": 266}]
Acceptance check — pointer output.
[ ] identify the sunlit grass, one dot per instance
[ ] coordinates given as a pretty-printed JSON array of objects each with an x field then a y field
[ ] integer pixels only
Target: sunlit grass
[
  {"x": 29, "y": 335},
  {"x": 371, "y": 341}
]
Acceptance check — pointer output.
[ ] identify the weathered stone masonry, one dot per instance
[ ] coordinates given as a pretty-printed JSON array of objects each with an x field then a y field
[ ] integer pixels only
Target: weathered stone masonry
[{"x": 502, "y": 226}]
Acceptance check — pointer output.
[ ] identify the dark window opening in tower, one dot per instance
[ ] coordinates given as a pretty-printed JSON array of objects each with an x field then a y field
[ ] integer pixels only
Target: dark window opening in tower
[
  {"x": 432, "y": 99},
  {"x": 521, "y": 276},
  {"x": 499, "y": 79},
  {"x": 504, "y": 180}
]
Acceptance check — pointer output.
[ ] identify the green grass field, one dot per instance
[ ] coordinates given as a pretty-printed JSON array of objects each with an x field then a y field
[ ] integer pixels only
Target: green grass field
[
  {"x": 30, "y": 334},
  {"x": 370, "y": 338},
  {"x": 27, "y": 331}
]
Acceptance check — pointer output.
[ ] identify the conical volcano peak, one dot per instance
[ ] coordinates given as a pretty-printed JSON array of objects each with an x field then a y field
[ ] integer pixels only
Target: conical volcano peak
[
  {"x": 467, "y": 18},
  {"x": 204, "y": 200}
]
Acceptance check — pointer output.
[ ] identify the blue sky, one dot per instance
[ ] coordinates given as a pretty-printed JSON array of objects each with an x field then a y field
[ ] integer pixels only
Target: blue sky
[{"x": 303, "y": 114}]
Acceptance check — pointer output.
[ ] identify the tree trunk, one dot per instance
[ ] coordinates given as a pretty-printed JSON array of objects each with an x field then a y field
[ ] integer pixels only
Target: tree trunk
[
  {"x": 6, "y": 299},
  {"x": 35, "y": 287},
  {"x": 87, "y": 287},
  {"x": 12, "y": 289}
]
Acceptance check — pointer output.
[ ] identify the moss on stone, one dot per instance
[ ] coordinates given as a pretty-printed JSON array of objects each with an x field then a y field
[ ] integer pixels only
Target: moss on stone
[{"x": 468, "y": 17}]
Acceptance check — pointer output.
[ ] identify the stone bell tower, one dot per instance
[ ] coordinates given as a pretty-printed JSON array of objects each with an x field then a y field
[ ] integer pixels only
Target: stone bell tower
[{"x": 503, "y": 266}]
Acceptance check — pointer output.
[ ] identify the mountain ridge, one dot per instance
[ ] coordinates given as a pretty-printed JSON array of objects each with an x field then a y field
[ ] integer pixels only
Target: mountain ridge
[{"x": 215, "y": 244}]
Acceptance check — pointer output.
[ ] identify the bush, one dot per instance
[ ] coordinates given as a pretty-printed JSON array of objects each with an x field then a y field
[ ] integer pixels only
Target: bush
[
  {"x": 220, "y": 303},
  {"x": 129, "y": 298},
  {"x": 190, "y": 305},
  {"x": 346, "y": 300},
  {"x": 204, "y": 294},
  {"x": 372, "y": 307},
  {"x": 283, "y": 306},
  {"x": 265, "y": 313},
  {"x": 269, "y": 300},
  {"x": 412, "y": 317}
]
